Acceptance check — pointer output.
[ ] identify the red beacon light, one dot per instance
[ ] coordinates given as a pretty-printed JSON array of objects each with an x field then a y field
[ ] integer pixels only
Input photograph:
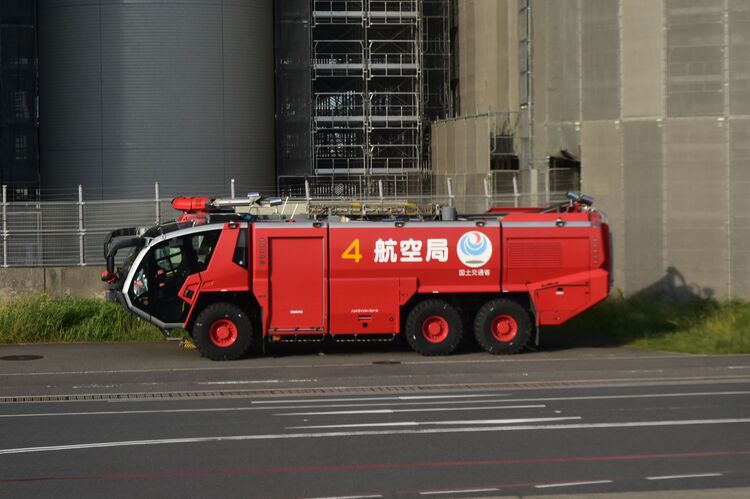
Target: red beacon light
[
  {"x": 196, "y": 209},
  {"x": 191, "y": 204}
]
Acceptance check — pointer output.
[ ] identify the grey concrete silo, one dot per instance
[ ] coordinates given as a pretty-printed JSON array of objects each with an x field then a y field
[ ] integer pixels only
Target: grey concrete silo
[{"x": 179, "y": 92}]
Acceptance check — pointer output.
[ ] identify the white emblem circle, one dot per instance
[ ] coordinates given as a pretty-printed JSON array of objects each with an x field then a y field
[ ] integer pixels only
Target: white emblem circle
[{"x": 474, "y": 249}]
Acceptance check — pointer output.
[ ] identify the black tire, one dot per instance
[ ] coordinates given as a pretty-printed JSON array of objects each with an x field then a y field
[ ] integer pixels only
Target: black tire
[
  {"x": 434, "y": 327},
  {"x": 502, "y": 327},
  {"x": 223, "y": 331}
]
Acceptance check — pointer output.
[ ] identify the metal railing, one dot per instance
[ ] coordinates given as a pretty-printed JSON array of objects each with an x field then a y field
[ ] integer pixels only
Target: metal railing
[{"x": 71, "y": 233}]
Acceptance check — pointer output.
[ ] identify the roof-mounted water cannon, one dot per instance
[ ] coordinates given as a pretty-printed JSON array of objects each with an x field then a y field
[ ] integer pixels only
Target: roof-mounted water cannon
[
  {"x": 206, "y": 204},
  {"x": 577, "y": 197},
  {"x": 270, "y": 202}
]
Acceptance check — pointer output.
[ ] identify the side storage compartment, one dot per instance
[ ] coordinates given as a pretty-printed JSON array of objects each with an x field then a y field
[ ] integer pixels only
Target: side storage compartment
[
  {"x": 556, "y": 304},
  {"x": 290, "y": 278},
  {"x": 362, "y": 306},
  {"x": 297, "y": 268}
]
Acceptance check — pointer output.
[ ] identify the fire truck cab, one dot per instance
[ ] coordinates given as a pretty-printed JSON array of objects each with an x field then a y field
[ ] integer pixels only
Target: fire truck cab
[{"x": 236, "y": 281}]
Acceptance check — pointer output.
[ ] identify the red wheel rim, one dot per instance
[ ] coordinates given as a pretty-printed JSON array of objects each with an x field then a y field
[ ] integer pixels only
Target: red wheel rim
[
  {"x": 504, "y": 328},
  {"x": 435, "y": 329},
  {"x": 223, "y": 333}
]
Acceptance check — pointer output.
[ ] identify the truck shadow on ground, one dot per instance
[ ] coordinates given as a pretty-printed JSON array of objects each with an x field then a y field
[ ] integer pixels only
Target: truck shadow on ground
[{"x": 663, "y": 307}]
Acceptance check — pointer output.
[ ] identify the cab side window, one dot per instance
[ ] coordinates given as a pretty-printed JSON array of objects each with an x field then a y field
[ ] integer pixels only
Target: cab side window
[{"x": 204, "y": 245}]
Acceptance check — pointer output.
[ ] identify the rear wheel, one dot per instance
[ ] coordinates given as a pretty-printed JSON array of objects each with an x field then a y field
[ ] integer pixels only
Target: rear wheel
[
  {"x": 223, "y": 331},
  {"x": 502, "y": 327},
  {"x": 433, "y": 327}
]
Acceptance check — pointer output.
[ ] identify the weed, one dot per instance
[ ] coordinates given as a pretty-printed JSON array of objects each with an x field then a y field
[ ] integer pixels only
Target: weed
[
  {"x": 696, "y": 326},
  {"x": 41, "y": 318}
]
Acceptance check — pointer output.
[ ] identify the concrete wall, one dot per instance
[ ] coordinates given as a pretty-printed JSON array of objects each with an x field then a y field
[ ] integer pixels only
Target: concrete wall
[
  {"x": 487, "y": 46},
  {"x": 56, "y": 281},
  {"x": 461, "y": 151},
  {"x": 655, "y": 95}
]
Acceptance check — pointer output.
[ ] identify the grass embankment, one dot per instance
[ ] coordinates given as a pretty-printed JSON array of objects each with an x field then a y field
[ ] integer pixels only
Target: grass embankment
[
  {"x": 699, "y": 326},
  {"x": 43, "y": 319}
]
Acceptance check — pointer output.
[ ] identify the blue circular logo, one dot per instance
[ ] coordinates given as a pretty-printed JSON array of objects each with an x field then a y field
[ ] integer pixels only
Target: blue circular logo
[{"x": 474, "y": 249}]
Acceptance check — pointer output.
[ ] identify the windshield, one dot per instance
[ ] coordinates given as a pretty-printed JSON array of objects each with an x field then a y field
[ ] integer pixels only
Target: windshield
[{"x": 128, "y": 262}]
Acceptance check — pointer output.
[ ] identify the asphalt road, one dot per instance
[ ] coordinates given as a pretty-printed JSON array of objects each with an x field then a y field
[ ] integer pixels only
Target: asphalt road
[{"x": 152, "y": 420}]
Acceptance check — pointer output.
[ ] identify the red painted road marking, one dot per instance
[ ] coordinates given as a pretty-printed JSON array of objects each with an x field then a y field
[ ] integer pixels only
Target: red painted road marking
[{"x": 376, "y": 466}]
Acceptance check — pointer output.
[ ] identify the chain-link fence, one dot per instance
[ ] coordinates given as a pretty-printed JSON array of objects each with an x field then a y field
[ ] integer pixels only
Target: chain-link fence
[{"x": 70, "y": 233}]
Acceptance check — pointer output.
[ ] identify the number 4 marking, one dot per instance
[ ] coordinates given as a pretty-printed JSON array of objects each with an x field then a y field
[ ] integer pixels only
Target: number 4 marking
[{"x": 352, "y": 252}]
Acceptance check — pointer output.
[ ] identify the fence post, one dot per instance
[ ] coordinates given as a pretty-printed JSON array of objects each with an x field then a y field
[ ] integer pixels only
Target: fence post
[
  {"x": 487, "y": 194},
  {"x": 450, "y": 191},
  {"x": 515, "y": 190},
  {"x": 380, "y": 190},
  {"x": 5, "y": 226},
  {"x": 231, "y": 188},
  {"x": 307, "y": 190},
  {"x": 81, "y": 229},
  {"x": 157, "y": 204}
]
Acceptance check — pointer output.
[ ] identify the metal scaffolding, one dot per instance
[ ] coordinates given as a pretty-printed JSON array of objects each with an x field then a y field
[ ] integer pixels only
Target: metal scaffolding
[{"x": 380, "y": 74}]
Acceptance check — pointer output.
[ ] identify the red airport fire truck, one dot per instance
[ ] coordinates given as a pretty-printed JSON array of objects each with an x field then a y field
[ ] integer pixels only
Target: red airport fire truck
[{"x": 236, "y": 281}]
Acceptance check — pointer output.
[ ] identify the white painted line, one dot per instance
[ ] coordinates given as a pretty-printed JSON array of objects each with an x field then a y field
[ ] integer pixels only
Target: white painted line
[
  {"x": 426, "y": 423},
  {"x": 124, "y": 413},
  {"x": 674, "y": 477},
  {"x": 738, "y": 367},
  {"x": 536, "y": 399},
  {"x": 571, "y": 484},
  {"x": 632, "y": 396},
  {"x": 458, "y": 491},
  {"x": 427, "y": 397},
  {"x": 421, "y": 431},
  {"x": 370, "y": 399},
  {"x": 212, "y": 409},
  {"x": 394, "y": 411},
  {"x": 257, "y": 382},
  {"x": 345, "y": 497}
]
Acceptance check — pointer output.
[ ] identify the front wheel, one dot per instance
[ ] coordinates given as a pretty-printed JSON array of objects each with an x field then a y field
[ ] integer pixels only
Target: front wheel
[
  {"x": 502, "y": 327},
  {"x": 222, "y": 331},
  {"x": 433, "y": 327}
]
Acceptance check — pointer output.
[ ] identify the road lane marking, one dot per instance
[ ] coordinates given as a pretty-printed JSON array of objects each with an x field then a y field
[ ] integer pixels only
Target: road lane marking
[
  {"x": 228, "y": 409},
  {"x": 425, "y": 423},
  {"x": 256, "y": 381},
  {"x": 389, "y": 400},
  {"x": 675, "y": 477},
  {"x": 571, "y": 484},
  {"x": 537, "y": 399},
  {"x": 347, "y": 497},
  {"x": 370, "y": 399},
  {"x": 182, "y": 473},
  {"x": 364, "y": 433},
  {"x": 142, "y": 411},
  {"x": 121, "y": 397},
  {"x": 312, "y": 403},
  {"x": 394, "y": 411},
  {"x": 631, "y": 396},
  {"x": 457, "y": 491}
]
